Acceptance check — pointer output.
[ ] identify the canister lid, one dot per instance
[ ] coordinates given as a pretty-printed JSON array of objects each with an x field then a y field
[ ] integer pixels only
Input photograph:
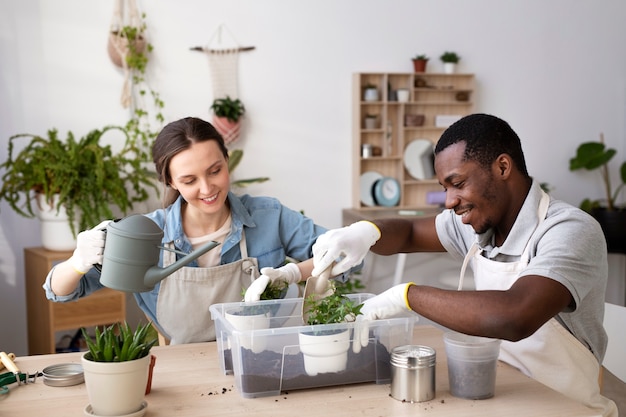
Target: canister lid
[
  {"x": 63, "y": 375},
  {"x": 413, "y": 356}
]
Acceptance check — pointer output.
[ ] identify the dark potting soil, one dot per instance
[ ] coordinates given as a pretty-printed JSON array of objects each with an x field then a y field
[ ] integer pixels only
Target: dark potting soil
[{"x": 262, "y": 371}]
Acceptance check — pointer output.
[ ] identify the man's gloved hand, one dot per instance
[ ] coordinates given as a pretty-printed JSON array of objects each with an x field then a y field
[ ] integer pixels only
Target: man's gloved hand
[
  {"x": 89, "y": 248},
  {"x": 388, "y": 304},
  {"x": 350, "y": 242},
  {"x": 289, "y": 273}
]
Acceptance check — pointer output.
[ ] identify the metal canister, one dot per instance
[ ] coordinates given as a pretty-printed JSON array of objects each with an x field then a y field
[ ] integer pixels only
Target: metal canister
[
  {"x": 367, "y": 151},
  {"x": 413, "y": 373}
]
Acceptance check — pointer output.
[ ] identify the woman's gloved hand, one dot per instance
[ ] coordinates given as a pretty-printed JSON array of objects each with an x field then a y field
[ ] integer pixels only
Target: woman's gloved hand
[
  {"x": 89, "y": 248},
  {"x": 347, "y": 246},
  {"x": 289, "y": 273},
  {"x": 392, "y": 302}
]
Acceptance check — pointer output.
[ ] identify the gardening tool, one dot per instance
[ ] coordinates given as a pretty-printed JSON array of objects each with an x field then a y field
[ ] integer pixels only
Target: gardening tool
[
  {"x": 14, "y": 374},
  {"x": 131, "y": 255},
  {"x": 316, "y": 287}
]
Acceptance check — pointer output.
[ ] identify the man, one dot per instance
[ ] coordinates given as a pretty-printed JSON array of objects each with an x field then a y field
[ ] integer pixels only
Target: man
[{"x": 540, "y": 265}]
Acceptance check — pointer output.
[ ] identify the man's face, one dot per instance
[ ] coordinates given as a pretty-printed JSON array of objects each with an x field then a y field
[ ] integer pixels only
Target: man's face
[{"x": 471, "y": 191}]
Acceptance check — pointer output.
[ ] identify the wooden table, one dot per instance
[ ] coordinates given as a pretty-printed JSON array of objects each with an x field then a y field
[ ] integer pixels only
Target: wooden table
[{"x": 187, "y": 381}]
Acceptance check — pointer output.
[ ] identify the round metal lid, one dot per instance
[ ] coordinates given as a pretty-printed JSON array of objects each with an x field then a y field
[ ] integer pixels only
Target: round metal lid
[{"x": 63, "y": 375}]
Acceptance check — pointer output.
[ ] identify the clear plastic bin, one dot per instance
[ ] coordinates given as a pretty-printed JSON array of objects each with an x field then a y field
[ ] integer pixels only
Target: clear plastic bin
[{"x": 268, "y": 360}]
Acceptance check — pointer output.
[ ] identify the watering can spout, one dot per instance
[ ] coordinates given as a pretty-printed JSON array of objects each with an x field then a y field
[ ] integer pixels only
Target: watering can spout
[
  {"x": 156, "y": 274},
  {"x": 131, "y": 255}
]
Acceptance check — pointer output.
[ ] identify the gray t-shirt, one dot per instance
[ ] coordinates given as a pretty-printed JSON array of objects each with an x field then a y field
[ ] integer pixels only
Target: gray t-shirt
[{"x": 568, "y": 247}]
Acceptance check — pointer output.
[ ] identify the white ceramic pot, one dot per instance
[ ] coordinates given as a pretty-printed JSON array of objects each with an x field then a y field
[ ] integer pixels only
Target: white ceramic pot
[
  {"x": 449, "y": 67},
  {"x": 247, "y": 323},
  {"x": 56, "y": 234},
  {"x": 325, "y": 352},
  {"x": 370, "y": 94},
  {"x": 116, "y": 388},
  {"x": 403, "y": 95}
]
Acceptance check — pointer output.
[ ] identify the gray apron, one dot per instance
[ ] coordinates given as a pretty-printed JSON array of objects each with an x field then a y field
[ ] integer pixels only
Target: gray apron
[
  {"x": 185, "y": 296},
  {"x": 551, "y": 355}
]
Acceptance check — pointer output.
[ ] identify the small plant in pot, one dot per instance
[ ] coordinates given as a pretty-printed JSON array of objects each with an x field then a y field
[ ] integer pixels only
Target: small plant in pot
[
  {"x": 593, "y": 156},
  {"x": 325, "y": 348},
  {"x": 227, "y": 114},
  {"x": 117, "y": 368},
  {"x": 450, "y": 60},
  {"x": 419, "y": 62}
]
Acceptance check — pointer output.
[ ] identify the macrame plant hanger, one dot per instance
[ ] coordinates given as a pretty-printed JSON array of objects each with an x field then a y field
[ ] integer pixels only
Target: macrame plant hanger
[
  {"x": 125, "y": 13},
  {"x": 224, "y": 67}
]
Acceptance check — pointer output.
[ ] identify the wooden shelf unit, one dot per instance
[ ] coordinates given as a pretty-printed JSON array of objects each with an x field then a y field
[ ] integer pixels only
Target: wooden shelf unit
[
  {"x": 430, "y": 95},
  {"x": 45, "y": 317}
]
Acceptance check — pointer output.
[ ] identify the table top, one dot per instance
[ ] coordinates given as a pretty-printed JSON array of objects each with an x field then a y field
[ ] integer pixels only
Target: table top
[{"x": 187, "y": 381}]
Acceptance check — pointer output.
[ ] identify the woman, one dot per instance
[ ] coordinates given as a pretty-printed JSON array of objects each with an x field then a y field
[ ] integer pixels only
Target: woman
[{"x": 254, "y": 233}]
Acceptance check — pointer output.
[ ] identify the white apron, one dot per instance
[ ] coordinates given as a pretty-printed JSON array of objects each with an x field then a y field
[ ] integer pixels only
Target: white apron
[
  {"x": 551, "y": 355},
  {"x": 185, "y": 296}
]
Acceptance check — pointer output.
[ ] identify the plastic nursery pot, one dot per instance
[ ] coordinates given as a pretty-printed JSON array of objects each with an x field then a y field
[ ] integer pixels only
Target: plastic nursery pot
[{"x": 472, "y": 364}]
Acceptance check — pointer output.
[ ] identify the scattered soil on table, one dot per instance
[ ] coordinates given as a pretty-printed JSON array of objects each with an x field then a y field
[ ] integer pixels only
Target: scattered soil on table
[{"x": 262, "y": 371}]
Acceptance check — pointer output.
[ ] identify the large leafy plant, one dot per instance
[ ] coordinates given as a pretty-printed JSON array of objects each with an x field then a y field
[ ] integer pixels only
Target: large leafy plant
[
  {"x": 234, "y": 158},
  {"x": 596, "y": 156},
  {"x": 87, "y": 175},
  {"x": 118, "y": 343}
]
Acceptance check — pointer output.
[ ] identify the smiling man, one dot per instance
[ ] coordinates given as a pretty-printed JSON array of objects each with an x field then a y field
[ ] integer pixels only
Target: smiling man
[{"x": 539, "y": 264}]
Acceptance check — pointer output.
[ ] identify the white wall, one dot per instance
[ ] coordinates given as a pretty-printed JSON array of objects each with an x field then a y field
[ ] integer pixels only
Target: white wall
[{"x": 554, "y": 69}]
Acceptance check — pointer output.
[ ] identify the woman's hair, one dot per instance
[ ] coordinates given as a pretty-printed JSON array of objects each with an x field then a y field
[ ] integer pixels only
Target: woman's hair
[
  {"x": 486, "y": 137},
  {"x": 175, "y": 138}
]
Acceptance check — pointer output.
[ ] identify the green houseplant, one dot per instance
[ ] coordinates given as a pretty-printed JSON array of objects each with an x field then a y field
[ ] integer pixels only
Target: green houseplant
[
  {"x": 82, "y": 176},
  {"x": 450, "y": 61},
  {"x": 593, "y": 156},
  {"x": 234, "y": 158},
  {"x": 326, "y": 349},
  {"x": 227, "y": 114},
  {"x": 117, "y": 368}
]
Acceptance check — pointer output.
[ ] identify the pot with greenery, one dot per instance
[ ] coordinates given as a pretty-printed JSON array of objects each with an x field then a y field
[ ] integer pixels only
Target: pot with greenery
[
  {"x": 81, "y": 177},
  {"x": 117, "y": 369},
  {"x": 370, "y": 92},
  {"x": 325, "y": 345},
  {"x": 610, "y": 214},
  {"x": 227, "y": 114},
  {"x": 450, "y": 61},
  {"x": 419, "y": 62}
]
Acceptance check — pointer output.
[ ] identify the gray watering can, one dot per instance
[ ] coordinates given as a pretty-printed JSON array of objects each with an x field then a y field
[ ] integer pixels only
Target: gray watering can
[{"x": 131, "y": 255}]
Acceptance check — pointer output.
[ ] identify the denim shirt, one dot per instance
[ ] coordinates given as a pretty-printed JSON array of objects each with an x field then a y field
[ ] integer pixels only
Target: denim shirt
[{"x": 273, "y": 232}]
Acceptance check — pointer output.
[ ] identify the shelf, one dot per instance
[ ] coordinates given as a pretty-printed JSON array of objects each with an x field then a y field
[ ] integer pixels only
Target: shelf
[{"x": 399, "y": 123}]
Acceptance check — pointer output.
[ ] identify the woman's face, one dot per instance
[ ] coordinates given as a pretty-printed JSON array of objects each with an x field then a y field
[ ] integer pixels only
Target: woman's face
[{"x": 200, "y": 174}]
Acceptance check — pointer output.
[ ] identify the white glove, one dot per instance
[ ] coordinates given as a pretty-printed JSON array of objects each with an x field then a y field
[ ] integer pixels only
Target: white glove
[
  {"x": 89, "y": 248},
  {"x": 388, "y": 304},
  {"x": 350, "y": 242},
  {"x": 289, "y": 273}
]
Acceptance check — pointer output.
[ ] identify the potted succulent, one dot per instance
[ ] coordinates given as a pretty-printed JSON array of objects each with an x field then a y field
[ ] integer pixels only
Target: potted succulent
[
  {"x": 117, "y": 368},
  {"x": 325, "y": 348},
  {"x": 450, "y": 60},
  {"x": 419, "y": 62},
  {"x": 227, "y": 114},
  {"x": 611, "y": 216},
  {"x": 79, "y": 177}
]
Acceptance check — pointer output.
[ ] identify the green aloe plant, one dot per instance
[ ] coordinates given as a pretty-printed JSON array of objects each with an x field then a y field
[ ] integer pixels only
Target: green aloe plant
[{"x": 118, "y": 343}]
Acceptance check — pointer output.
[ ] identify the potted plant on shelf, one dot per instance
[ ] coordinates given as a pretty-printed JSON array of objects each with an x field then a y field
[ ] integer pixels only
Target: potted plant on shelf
[
  {"x": 117, "y": 368},
  {"x": 227, "y": 114},
  {"x": 370, "y": 92},
  {"x": 419, "y": 62},
  {"x": 325, "y": 348},
  {"x": 79, "y": 179},
  {"x": 611, "y": 216},
  {"x": 450, "y": 60}
]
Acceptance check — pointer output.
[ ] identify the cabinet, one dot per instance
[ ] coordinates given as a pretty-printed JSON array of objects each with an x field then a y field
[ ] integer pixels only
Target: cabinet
[
  {"x": 45, "y": 317},
  {"x": 411, "y": 107}
]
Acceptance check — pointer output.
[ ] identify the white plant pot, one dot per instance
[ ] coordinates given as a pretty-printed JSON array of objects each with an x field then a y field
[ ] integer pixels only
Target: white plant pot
[
  {"x": 370, "y": 94},
  {"x": 449, "y": 67},
  {"x": 56, "y": 234},
  {"x": 116, "y": 388},
  {"x": 249, "y": 322},
  {"x": 403, "y": 95},
  {"x": 324, "y": 353}
]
